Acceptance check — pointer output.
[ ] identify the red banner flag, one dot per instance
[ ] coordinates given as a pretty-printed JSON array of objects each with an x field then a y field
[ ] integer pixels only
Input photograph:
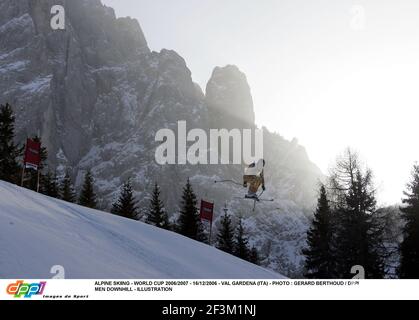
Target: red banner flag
[
  {"x": 207, "y": 211},
  {"x": 32, "y": 154}
]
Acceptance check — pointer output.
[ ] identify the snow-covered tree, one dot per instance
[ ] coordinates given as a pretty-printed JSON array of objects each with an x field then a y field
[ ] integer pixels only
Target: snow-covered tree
[
  {"x": 67, "y": 192},
  {"x": 409, "y": 248},
  {"x": 225, "y": 236},
  {"x": 88, "y": 196},
  {"x": 320, "y": 262},
  {"x": 126, "y": 205},
  {"x": 241, "y": 243},
  {"x": 156, "y": 214},
  {"x": 9, "y": 151},
  {"x": 189, "y": 223}
]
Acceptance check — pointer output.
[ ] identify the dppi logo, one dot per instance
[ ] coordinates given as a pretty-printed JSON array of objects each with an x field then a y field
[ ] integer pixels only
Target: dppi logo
[{"x": 27, "y": 290}]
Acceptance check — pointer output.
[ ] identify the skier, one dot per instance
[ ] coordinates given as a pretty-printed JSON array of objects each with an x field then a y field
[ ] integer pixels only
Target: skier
[{"x": 253, "y": 176}]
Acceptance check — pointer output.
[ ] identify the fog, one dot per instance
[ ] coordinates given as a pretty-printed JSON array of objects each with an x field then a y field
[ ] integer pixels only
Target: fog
[{"x": 330, "y": 73}]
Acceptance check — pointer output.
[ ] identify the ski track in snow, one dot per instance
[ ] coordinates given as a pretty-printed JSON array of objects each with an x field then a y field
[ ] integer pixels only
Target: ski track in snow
[{"x": 38, "y": 232}]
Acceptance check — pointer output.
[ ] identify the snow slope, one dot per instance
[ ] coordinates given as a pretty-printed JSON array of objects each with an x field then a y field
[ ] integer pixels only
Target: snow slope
[{"x": 38, "y": 232}]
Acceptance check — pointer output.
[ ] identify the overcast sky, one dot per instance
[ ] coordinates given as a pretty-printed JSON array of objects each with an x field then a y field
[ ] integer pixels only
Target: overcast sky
[{"x": 330, "y": 73}]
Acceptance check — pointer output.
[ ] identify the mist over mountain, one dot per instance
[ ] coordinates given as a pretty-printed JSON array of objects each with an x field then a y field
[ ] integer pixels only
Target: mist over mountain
[{"x": 97, "y": 95}]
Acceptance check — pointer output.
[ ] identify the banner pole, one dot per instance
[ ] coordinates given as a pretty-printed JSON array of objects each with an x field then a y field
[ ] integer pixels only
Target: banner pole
[
  {"x": 210, "y": 235},
  {"x": 37, "y": 181},
  {"x": 23, "y": 175},
  {"x": 24, "y": 164}
]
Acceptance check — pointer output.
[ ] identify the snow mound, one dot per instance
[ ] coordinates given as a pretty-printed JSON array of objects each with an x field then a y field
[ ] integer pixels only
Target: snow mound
[{"x": 38, "y": 232}]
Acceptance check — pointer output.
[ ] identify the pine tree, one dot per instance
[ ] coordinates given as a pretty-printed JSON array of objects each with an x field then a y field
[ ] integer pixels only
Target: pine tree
[
  {"x": 409, "y": 248},
  {"x": 320, "y": 261},
  {"x": 126, "y": 205},
  {"x": 156, "y": 214},
  {"x": 241, "y": 247},
  {"x": 9, "y": 151},
  {"x": 359, "y": 231},
  {"x": 87, "y": 196},
  {"x": 49, "y": 185},
  {"x": 225, "y": 237},
  {"x": 254, "y": 256},
  {"x": 67, "y": 192},
  {"x": 189, "y": 223}
]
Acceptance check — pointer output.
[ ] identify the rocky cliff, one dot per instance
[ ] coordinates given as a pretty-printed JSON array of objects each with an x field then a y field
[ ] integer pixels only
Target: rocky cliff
[{"x": 97, "y": 96}]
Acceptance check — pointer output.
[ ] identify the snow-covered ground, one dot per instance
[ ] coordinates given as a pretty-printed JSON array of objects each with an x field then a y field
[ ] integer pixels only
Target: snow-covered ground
[{"x": 38, "y": 232}]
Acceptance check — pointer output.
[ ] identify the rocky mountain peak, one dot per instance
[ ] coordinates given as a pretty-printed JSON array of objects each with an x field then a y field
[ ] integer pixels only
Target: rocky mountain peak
[
  {"x": 228, "y": 94},
  {"x": 97, "y": 96}
]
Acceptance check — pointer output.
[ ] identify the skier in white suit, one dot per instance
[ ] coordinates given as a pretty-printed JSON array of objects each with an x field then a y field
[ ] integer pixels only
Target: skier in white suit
[{"x": 254, "y": 178}]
